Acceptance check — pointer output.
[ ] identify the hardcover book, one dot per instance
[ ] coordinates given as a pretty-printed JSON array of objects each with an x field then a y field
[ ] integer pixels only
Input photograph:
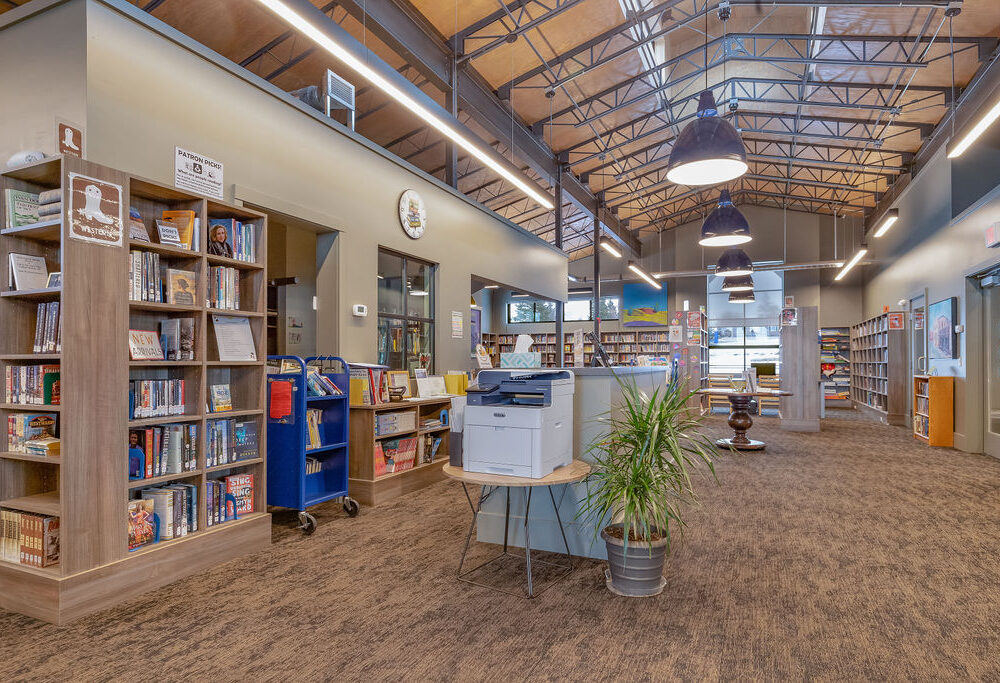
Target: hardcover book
[
  {"x": 240, "y": 486},
  {"x": 221, "y": 400},
  {"x": 183, "y": 220},
  {"x": 180, "y": 287},
  {"x": 28, "y": 272},
  {"x": 22, "y": 208}
]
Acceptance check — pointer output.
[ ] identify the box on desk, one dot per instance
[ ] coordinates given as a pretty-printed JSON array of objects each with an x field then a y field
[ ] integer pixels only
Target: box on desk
[{"x": 529, "y": 359}]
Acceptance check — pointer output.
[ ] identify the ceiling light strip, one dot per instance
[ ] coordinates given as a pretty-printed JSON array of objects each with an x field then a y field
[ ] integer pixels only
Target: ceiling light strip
[
  {"x": 850, "y": 264},
  {"x": 644, "y": 275}
]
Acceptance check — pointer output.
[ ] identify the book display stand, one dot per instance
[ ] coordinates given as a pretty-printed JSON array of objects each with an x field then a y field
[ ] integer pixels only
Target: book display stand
[
  {"x": 86, "y": 487},
  {"x": 300, "y": 475}
]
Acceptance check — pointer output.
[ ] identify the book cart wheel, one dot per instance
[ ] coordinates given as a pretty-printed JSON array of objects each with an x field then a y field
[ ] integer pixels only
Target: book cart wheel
[
  {"x": 308, "y": 522},
  {"x": 351, "y": 507}
]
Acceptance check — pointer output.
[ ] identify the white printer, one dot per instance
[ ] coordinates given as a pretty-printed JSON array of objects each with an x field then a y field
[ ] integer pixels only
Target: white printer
[{"x": 519, "y": 422}]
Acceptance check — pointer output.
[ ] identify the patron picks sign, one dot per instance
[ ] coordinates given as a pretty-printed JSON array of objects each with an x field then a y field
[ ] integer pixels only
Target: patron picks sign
[{"x": 197, "y": 173}]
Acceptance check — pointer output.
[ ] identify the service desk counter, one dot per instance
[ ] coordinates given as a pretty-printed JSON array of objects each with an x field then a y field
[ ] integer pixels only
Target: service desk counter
[{"x": 596, "y": 392}]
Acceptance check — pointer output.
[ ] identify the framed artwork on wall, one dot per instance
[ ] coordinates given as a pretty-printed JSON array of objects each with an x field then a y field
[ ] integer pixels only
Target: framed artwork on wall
[{"x": 942, "y": 341}]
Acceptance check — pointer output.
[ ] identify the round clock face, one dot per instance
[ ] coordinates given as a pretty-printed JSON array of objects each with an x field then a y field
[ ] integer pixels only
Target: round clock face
[{"x": 412, "y": 214}]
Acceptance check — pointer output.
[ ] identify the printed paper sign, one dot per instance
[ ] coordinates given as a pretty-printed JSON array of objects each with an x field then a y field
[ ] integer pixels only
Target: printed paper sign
[
  {"x": 196, "y": 173},
  {"x": 790, "y": 301},
  {"x": 789, "y": 317},
  {"x": 896, "y": 321},
  {"x": 694, "y": 320},
  {"x": 918, "y": 320},
  {"x": 694, "y": 338},
  {"x": 456, "y": 324},
  {"x": 95, "y": 211},
  {"x": 577, "y": 348},
  {"x": 676, "y": 334}
]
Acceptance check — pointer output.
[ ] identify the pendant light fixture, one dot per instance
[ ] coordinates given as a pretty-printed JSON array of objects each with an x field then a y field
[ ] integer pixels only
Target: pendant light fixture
[
  {"x": 742, "y": 298},
  {"x": 734, "y": 263},
  {"x": 725, "y": 226},
  {"x": 610, "y": 247},
  {"x": 709, "y": 150},
  {"x": 738, "y": 284}
]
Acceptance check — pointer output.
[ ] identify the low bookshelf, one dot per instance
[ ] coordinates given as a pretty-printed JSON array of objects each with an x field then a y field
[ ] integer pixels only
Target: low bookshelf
[
  {"x": 878, "y": 369},
  {"x": 934, "y": 410},
  {"x": 382, "y": 429},
  {"x": 88, "y": 485}
]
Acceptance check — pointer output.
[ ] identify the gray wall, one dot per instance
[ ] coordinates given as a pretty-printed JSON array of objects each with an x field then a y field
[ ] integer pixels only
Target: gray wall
[{"x": 146, "y": 94}]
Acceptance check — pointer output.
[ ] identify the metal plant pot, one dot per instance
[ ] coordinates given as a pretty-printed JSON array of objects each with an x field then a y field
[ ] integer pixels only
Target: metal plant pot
[{"x": 638, "y": 570}]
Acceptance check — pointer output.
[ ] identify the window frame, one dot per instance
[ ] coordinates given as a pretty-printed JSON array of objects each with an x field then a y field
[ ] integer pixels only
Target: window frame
[
  {"x": 534, "y": 311},
  {"x": 406, "y": 317}
]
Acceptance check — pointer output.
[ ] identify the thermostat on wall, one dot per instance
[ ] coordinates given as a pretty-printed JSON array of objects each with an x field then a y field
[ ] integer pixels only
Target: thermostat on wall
[{"x": 359, "y": 310}]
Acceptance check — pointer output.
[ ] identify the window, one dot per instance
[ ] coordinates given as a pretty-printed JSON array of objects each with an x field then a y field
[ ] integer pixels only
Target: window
[
  {"x": 405, "y": 312},
  {"x": 742, "y": 334},
  {"x": 575, "y": 310}
]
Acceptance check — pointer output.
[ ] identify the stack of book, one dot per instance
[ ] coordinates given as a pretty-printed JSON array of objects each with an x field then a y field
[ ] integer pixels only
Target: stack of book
[
  {"x": 394, "y": 423},
  {"x": 30, "y": 539},
  {"x": 395, "y": 455},
  {"x": 22, "y": 207},
  {"x": 231, "y": 441},
  {"x": 430, "y": 423},
  {"x": 163, "y": 449},
  {"x": 156, "y": 398},
  {"x": 176, "y": 505},
  {"x": 48, "y": 329},
  {"x": 224, "y": 288},
  {"x": 32, "y": 384},
  {"x": 320, "y": 385},
  {"x": 25, "y": 428}
]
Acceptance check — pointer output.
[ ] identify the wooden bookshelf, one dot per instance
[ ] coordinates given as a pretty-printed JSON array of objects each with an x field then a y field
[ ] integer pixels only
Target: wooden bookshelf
[
  {"x": 87, "y": 486},
  {"x": 934, "y": 410},
  {"x": 879, "y": 369},
  {"x": 363, "y": 484},
  {"x": 835, "y": 364}
]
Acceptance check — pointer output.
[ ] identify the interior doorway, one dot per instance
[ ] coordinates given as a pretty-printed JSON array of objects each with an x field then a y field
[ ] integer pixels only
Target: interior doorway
[{"x": 990, "y": 285}]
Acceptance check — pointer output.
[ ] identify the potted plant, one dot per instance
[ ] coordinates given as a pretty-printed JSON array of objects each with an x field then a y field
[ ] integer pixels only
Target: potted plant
[{"x": 644, "y": 460}]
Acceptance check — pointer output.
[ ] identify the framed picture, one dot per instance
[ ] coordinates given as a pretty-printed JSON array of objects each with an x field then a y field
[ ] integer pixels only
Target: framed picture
[{"x": 941, "y": 338}]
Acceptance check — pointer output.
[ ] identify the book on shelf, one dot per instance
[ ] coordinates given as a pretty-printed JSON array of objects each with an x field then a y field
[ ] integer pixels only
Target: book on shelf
[
  {"x": 220, "y": 398},
  {"x": 395, "y": 455},
  {"x": 144, "y": 345},
  {"x": 168, "y": 233},
  {"x": 176, "y": 505},
  {"x": 224, "y": 288},
  {"x": 368, "y": 384},
  {"x": 230, "y": 238},
  {"x": 136, "y": 226},
  {"x": 319, "y": 384},
  {"x": 32, "y": 384},
  {"x": 30, "y": 539},
  {"x": 313, "y": 466},
  {"x": 233, "y": 338},
  {"x": 395, "y": 422},
  {"x": 149, "y": 398},
  {"x": 141, "y": 523},
  {"x": 48, "y": 329},
  {"x": 159, "y": 450},
  {"x": 22, "y": 207},
  {"x": 177, "y": 338},
  {"x": 314, "y": 417},
  {"x": 181, "y": 287},
  {"x": 230, "y": 441},
  {"x": 186, "y": 223},
  {"x": 25, "y": 428},
  {"x": 240, "y": 487},
  {"x": 27, "y": 272},
  {"x": 144, "y": 276}
]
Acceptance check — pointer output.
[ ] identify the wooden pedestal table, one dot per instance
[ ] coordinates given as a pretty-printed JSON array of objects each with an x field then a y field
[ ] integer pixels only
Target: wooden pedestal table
[
  {"x": 490, "y": 484},
  {"x": 739, "y": 416}
]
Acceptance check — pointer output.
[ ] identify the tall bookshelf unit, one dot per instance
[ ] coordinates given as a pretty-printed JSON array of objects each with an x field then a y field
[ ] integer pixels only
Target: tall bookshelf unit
[
  {"x": 934, "y": 410},
  {"x": 878, "y": 369},
  {"x": 87, "y": 486},
  {"x": 835, "y": 364}
]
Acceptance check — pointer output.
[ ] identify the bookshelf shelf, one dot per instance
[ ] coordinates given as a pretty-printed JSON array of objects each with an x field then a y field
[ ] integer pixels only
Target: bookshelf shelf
[
  {"x": 39, "y": 407},
  {"x": 164, "y": 364},
  {"x": 214, "y": 529},
  {"x": 40, "y": 503},
  {"x": 231, "y": 465},
  {"x": 396, "y": 435},
  {"x": 233, "y": 363},
  {"x": 325, "y": 448},
  {"x": 228, "y": 311},
  {"x": 435, "y": 430},
  {"x": 49, "y": 572},
  {"x": 161, "y": 307},
  {"x": 31, "y": 457},
  {"x": 43, "y": 231},
  {"x": 164, "y": 249},
  {"x": 163, "y": 479},
  {"x": 169, "y": 419},
  {"x": 233, "y": 263},
  {"x": 33, "y": 294},
  {"x": 321, "y": 399},
  {"x": 234, "y": 413},
  {"x": 30, "y": 356}
]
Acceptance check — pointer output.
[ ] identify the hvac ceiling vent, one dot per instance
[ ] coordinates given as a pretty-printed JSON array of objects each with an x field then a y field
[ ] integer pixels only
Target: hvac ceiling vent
[{"x": 339, "y": 96}]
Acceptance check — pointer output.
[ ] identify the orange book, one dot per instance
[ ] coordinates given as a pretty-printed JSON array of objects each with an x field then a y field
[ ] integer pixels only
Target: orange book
[{"x": 183, "y": 220}]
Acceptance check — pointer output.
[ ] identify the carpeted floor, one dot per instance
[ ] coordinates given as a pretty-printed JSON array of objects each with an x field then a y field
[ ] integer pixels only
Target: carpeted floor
[{"x": 850, "y": 554}]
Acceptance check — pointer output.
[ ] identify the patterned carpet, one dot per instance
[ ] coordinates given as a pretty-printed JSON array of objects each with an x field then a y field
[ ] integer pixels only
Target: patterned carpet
[{"x": 850, "y": 554}]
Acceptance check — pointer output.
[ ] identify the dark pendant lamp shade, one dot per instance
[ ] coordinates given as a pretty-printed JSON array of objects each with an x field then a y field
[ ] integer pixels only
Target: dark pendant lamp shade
[
  {"x": 709, "y": 150},
  {"x": 725, "y": 226},
  {"x": 742, "y": 298},
  {"x": 734, "y": 263},
  {"x": 738, "y": 284}
]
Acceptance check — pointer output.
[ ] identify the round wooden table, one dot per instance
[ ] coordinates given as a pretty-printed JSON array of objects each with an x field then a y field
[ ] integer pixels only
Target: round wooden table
[
  {"x": 489, "y": 484},
  {"x": 739, "y": 416}
]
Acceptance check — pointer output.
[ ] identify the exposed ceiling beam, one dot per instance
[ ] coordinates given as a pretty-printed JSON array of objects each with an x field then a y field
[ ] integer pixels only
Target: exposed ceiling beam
[{"x": 513, "y": 23}]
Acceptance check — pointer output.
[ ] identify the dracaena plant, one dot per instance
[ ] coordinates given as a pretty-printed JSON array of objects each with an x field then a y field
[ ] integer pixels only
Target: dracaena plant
[{"x": 648, "y": 455}]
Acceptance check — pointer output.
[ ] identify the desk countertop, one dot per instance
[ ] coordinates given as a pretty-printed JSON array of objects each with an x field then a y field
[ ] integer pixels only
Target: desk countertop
[{"x": 575, "y": 471}]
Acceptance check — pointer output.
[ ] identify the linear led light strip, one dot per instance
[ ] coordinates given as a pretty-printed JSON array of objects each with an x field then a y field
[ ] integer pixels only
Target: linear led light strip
[
  {"x": 850, "y": 264},
  {"x": 307, "y": 28},
  {"x": 977, "y": 130},
  {"x": 644, "y": 275}
]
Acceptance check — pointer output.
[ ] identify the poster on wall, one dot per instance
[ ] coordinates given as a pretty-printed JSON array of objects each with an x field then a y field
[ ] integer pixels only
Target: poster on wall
[
  {"x": 918, "y": 319},
  {"x": 694, "y": 320},
  {"x": 95, "y": 211},
  {"x": 644, "y": 306},
  {"x": 675, "y": 334},
  {"x": 456, "y": 324},
  {"x": 896, "y": 321},
  {"x": 694, "y": 337},
  {"x": 476, "y": 327},
  {"x": 941, "y": 337},
  {"x": 790, "y": 301},
  {"x": 196, "y": 173},
  {"x": 578, "y": 348},
  {"x": 789, "y": 317}
]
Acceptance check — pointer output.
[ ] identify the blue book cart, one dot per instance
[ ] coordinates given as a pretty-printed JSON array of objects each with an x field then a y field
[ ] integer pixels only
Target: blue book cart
[{"x": 288, "y": 399}]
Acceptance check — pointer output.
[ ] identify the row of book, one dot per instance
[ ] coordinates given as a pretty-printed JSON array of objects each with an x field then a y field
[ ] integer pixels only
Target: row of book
[
  {"x": 32, "y": 433},
  {"x": 224, "y": 288},
  {"x": 395, "y": 455},
  {"x": 176, "y": 227},
  {"x": 163, "y": 449},
  {"x": 314, "y": 420},
  {"x": 155, "y": 398},
  {"x": 393, "y": 423},
  {"x": 368, "y": 385},
  {"x": 230, "y": 238},
  {"x": 144, "y": 280},
  {"x": 48, "y": 329},
  {"x": 177, "y": 338},
  {"x": 318, "y": 384},
  {"x": 28, "y": 538},
  {"x": 175, "y": 506},
  {"x": 230, "y": 441},
  {"x": 220, "y": 508},
  {"x": 32, "y": 384},
  {"x": 313, "y": 466},
  {"x": 429, "y": 446}
]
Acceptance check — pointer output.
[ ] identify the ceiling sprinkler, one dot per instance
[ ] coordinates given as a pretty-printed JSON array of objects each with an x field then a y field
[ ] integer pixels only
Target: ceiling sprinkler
[
  {"x": 734, "y": 104},
  {"x": 725, "y": 11}
]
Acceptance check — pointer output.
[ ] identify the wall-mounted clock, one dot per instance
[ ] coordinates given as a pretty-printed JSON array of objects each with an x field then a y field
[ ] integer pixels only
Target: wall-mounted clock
[{"x": 412, "y": 214}]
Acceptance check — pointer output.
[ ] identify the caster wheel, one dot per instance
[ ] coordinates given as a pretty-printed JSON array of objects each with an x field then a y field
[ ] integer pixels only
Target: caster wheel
[
  {"x": 308, "y": 523},
  {"x": 351, "y": 507}
]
